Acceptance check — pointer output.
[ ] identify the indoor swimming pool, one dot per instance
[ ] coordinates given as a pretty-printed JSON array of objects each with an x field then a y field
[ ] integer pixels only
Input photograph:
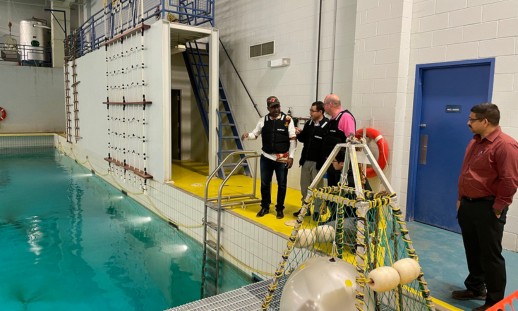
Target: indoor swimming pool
[{"x": 70, "y": 241}]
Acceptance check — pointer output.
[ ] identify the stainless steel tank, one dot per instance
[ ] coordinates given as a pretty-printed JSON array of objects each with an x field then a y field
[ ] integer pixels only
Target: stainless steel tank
[{"x": 34, "y": 41}]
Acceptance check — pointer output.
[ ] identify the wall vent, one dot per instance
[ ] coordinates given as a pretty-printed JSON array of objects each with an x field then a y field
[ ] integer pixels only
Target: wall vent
[{"x": 267, "y": 48}]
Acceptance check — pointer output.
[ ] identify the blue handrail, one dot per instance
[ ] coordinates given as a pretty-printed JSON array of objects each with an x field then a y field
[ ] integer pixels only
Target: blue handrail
[{"x": 92, "y": 33}]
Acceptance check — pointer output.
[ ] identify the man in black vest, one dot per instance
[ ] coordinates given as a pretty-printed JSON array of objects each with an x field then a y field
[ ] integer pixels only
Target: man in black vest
[
  {"x": 340, "y": 126},
  {"x": 279, "y": 142},
  {"x": 311, "y": 158}
]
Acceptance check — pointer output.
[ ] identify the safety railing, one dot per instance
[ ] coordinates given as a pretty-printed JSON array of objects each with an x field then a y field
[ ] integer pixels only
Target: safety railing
[
  {"x": 122, "y": 15},
  {"x": 26, "y": 55}
]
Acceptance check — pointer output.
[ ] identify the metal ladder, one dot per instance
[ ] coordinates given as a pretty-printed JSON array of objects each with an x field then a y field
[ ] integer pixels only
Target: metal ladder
[
  {"x": 71, "y": 83},
  {"x": 214, "y": 207},
  {"x": 229, "y": 140}
]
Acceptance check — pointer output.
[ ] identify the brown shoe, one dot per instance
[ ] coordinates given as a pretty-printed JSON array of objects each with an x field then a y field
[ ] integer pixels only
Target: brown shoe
[
  {"x": 482, "y": 307},
  {"x": 466, "y": 294}
]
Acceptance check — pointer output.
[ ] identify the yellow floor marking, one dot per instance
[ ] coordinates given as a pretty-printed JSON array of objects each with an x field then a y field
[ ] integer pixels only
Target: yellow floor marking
[
  {"x": 189, "y": 176},
  {"x": 445, "y": 305}
]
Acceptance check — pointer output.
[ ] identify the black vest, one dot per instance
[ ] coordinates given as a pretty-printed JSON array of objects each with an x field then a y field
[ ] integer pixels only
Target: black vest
[
  {"x": 333, "y": 135},
  {"x": 275, "y": 136},
  {"x": 312, "y": 136}
]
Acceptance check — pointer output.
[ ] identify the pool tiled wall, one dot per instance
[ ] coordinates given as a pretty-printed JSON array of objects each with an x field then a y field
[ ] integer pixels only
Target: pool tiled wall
[{"x": 28, "y": 143}]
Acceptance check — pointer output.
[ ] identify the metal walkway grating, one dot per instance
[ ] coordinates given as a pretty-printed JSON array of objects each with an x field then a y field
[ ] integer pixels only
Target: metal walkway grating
[{"x": 249, "y": 297}]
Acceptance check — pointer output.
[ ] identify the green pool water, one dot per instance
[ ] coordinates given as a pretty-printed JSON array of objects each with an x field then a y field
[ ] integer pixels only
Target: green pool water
[{"x": 70, "y": 241}]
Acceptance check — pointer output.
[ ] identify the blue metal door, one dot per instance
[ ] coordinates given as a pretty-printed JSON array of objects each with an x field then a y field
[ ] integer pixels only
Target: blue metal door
[{"x": 445, "y": 95}]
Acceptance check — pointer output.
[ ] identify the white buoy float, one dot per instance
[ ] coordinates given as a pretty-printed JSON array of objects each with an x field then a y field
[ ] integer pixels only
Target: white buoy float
[
  {"x": 408, "y": 270},
  {"x": 325, "y": 234},
  {"x": 305, "y": 238},
  {"x": 383, "y": 279}
]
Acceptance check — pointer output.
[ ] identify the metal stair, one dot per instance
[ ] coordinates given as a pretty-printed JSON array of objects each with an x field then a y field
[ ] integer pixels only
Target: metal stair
[
  {"x": 212, "y": 229},
  {"x": 229, "y": 140}
]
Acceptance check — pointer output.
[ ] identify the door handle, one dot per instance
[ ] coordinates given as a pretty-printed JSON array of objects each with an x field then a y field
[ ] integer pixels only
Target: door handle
[{"x": 423, "y": 149}]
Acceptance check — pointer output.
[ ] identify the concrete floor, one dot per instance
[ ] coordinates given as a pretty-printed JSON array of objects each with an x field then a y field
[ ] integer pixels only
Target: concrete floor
[{"x": 442, "y": 258}]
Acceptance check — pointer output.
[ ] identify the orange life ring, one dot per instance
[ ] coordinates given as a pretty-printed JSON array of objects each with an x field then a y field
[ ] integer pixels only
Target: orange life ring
[
  {"x": 383, "y": 151},
  {"x": 3, "y": 114}
]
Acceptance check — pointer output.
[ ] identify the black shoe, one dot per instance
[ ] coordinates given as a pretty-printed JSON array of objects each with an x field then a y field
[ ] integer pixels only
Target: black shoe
[
  {"x": 297, "y": 213},
  {"x": 280, "y": 214},
  {"x": 263, "y": 212},
  {"x": 466, "y": 294},
  {"x": 482, "y": 307}
]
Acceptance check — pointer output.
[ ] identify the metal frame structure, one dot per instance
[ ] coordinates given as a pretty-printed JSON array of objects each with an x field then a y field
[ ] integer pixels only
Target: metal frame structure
[{"x": 91, "y": 34}]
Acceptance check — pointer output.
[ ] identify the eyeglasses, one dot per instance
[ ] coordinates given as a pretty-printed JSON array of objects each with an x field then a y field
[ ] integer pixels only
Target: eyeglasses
[
  {"x": 470, "y": 120},
  {"x": 311, "y": 110}
]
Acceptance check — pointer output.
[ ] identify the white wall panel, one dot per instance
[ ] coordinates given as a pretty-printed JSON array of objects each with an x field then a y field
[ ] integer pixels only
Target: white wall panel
[{"x": 34, "y": 99}]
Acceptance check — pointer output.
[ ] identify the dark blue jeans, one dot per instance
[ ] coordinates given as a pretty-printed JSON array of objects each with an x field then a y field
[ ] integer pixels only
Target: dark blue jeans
[{"x": 281, "y": 173}]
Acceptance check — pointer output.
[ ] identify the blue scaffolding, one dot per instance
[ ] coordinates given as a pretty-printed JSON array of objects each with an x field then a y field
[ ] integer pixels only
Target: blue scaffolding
[{"x": 101, "y": 25}]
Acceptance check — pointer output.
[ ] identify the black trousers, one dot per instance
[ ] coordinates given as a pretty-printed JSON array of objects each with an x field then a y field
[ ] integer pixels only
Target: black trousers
[{"x": 482, "y": 235}]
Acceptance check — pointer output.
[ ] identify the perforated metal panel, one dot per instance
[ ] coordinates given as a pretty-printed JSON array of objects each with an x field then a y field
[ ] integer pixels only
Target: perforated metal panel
[{"x": 249, "y": 297}]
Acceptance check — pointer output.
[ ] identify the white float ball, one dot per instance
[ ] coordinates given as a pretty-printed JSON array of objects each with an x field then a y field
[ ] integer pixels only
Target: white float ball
[
  {"x": 383, "y": 279},
  {"x": 408, "y": 270},
  {"x": 305, "y": 238},
  {"x": 325, "y": 234},
  {"x": 321, "y": 283}
]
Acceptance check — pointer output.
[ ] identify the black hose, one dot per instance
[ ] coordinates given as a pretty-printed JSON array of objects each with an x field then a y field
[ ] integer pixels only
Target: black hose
[{"x": 240, "y": 79}]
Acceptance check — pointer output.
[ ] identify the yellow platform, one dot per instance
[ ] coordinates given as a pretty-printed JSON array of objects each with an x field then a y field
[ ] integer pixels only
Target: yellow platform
[{"x": 191, "y": 177}]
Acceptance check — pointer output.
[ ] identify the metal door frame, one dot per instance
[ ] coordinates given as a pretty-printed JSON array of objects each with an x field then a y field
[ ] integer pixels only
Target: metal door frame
[{"x": 416, "y": 119}]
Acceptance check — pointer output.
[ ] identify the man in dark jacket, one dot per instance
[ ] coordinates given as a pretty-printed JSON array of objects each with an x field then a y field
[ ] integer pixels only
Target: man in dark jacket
[{"x": 311, "y": 158}]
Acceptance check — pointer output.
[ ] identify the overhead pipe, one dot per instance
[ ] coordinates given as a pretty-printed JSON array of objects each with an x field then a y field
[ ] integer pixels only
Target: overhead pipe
[
  {"x": 333, "y": 50},
  {"x": 318, "y": 47}
]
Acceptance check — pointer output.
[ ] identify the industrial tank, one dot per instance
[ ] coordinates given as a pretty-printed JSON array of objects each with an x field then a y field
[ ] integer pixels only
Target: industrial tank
[{"x": 34, "y": 42}]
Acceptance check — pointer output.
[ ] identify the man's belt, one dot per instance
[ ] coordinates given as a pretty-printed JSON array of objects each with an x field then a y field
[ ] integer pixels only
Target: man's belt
[{"x": 488, "y": 198}]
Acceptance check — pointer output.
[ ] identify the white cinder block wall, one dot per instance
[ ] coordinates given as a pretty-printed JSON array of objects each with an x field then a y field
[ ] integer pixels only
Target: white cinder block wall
[
  {"x": 475, "y": 29},
  {"x": 392, "y": 37},
  {"x": 374, "y": 76},
  {"x": 293, "y": 25}
]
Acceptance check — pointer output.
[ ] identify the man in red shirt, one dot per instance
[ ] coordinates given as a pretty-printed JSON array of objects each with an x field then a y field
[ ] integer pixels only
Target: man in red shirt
[{"x": 487, "y": 182}]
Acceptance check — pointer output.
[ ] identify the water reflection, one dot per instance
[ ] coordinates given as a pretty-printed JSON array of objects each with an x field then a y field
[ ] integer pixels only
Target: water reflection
[
  {"x": 82, "y": 175},
  {"x": 139, "y": 220},
  {"x": 89, "y": 246},
  {"x": 34, "y": 235}
]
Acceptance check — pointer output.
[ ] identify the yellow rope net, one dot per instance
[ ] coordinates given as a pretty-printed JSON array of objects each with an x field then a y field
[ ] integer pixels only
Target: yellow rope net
[{"x": 367, "y": 233}]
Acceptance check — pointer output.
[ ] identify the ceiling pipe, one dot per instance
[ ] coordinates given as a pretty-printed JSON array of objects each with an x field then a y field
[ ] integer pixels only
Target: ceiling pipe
[{"x": 318, "y": 47}]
